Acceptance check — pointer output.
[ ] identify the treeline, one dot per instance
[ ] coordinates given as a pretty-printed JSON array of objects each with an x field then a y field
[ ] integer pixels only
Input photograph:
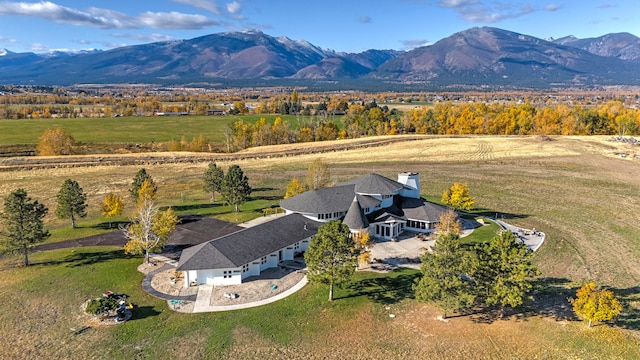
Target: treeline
[
  {"x": 442, "y": 119},
  {"x": 609, "y": 118}
]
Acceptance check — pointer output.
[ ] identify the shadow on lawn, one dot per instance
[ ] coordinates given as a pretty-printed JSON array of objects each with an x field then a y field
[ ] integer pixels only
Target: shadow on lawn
[
  {"x": 114, "y": 225},
  {"x": 629, "y": 318},
  {"x": 82, "y": 258},
  {"x": 384, "y": 290},
  {"x": 142, "y": 312},
  {"x": 498, "y": 215},
  {"x": 551, "y": 298},
  {"x": 191, "y": 207}
]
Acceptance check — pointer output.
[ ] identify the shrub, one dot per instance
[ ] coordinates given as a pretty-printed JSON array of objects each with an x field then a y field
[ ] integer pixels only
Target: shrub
[{"x": 102, "y": 305}]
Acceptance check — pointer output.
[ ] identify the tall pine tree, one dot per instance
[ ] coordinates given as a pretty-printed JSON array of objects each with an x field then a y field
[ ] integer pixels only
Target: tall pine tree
[
  {"x": 235, "y": 187},
  {"x": 213, "y": 177},
  {"x": 23, "y": 225},
  {"x": 332, "y": 256},
  {"x": 72, "y": 202},
  {"x": 138, "y": 179},
  {"x": 443, "y": 280},
  {"x": 504, "y": 271}
]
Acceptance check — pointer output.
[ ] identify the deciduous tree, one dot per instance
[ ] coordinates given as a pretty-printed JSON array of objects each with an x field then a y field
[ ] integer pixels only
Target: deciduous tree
[
  {"x": 23, "y": 225},
  {"x": 213, "y": 177},
  {"x": 112, "y": 205},
  {"x": 294, "y": 188},
  {"x": 332, "y": 257},
  {"x": 72, "y": 202},
  {"x": 55, "y": 142},
  {"x": 595, "y": 304},
  {"x": 504, "y": 271},
  {"x": 458, "y": 197},
  {"x": 150, "y": 229},
  {"x": 443, "y": 279},
  {"x": 317, "y": 175},
  {"x": 235, "y": 187},
  {"x": 449, "y": 224}
]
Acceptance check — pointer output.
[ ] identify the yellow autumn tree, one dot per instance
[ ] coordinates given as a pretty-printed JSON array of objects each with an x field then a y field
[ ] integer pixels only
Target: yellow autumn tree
[
  {"x": 112, "y": 205},
  {"x": 595, "y": 304},
  {"x": 362, "y": 242},
  {"x": 457, "y": 196},
  {"x": 294, "y": 188},
  {"x": 150, "y": 228},
  {"x": 55, "y": 142},
  {"x": 449, "y": 224}
]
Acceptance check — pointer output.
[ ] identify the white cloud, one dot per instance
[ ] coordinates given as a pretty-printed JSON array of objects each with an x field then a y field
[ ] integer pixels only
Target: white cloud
[
  {"x": 457, "y": 3},
  {"x": 54, "y": 12},
  {"x": 414, "y": 43},
  {"x": 234, "y": 7},
  {"x": 105, "y": 18},
  {"x": 208, "y": 5},
  {"x": 144, "y": 37},
  {"x": 8, "y": 40},
  {"x": 480, "y": 12},
  {"x": 175, "y": 20},
  {"x": 552, "y": 7}
]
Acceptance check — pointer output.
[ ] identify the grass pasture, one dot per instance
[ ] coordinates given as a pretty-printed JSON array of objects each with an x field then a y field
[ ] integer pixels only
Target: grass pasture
[
  {"x": 576, "y": 190},
  {"x": 135, "y": 130}
]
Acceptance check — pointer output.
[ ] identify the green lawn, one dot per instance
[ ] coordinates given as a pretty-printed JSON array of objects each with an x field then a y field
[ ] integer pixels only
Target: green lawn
[{"x": 134, "y": 130}]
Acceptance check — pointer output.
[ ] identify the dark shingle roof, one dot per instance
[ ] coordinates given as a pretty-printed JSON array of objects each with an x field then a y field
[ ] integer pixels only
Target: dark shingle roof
[
  {"x": 420, "y": 209},
  {"x": 355, "y": 218},
  {"x": 375, "y": 184},
  {"x": 319, "y": 201},
  {"x": 244, "y": 246},
  {"x": 367, "y": 201}
]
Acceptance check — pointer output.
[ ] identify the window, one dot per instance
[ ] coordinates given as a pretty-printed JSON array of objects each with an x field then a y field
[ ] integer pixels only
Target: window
[
  {"x": 263, "y": 260},
  {"x": 296, "y": 246},
  {"x": 226, "y": 274},
  {"x": 245, "y": 268}
]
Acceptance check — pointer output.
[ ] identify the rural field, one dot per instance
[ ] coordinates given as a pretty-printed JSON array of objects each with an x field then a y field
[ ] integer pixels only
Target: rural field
[{"x": 578, "y": 190}]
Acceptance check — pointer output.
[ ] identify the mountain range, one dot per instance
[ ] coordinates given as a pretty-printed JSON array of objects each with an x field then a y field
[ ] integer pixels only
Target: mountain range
[{"x": 481, "y": 57}]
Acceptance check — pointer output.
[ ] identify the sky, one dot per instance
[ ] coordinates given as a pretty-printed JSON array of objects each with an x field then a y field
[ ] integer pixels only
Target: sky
[{"x": 340, "y": 25}]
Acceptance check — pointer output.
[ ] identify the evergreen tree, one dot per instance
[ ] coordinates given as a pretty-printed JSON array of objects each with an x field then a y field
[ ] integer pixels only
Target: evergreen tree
[
  {"x": 213, "y": 177},
  {"x": 332, "y": 256},
  {"x": 72, "y": 202},
  {"x": 442, "y": 280},
  {"x": 235, "y": 187},
  {"x": 23, "y": 225},
  {"x": 138, "y": 179},
  {"x": 504, "y": 271}
]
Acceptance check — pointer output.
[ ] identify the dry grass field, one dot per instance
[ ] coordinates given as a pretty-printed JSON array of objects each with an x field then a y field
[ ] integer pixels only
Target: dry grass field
[{"x": 578, "y": 190}]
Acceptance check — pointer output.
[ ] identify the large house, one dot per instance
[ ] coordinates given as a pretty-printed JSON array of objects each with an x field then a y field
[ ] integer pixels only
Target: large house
[{"x": 372, "y": 203}]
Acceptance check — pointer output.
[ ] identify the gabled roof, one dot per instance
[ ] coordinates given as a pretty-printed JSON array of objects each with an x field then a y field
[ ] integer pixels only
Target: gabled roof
[
  {"x": 355, "y": 218},
  {"x": 420, "y": 209},
  {"x": 320, "y": 201},
  {"x": 375, "y": 184},
  {"x": 244, "y": 246}
]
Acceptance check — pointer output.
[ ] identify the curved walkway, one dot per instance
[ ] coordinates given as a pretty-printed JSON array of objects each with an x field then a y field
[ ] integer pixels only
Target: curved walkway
[
  {"x": 205, "y": 291},
  {"x": 146, "y": 285}
]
